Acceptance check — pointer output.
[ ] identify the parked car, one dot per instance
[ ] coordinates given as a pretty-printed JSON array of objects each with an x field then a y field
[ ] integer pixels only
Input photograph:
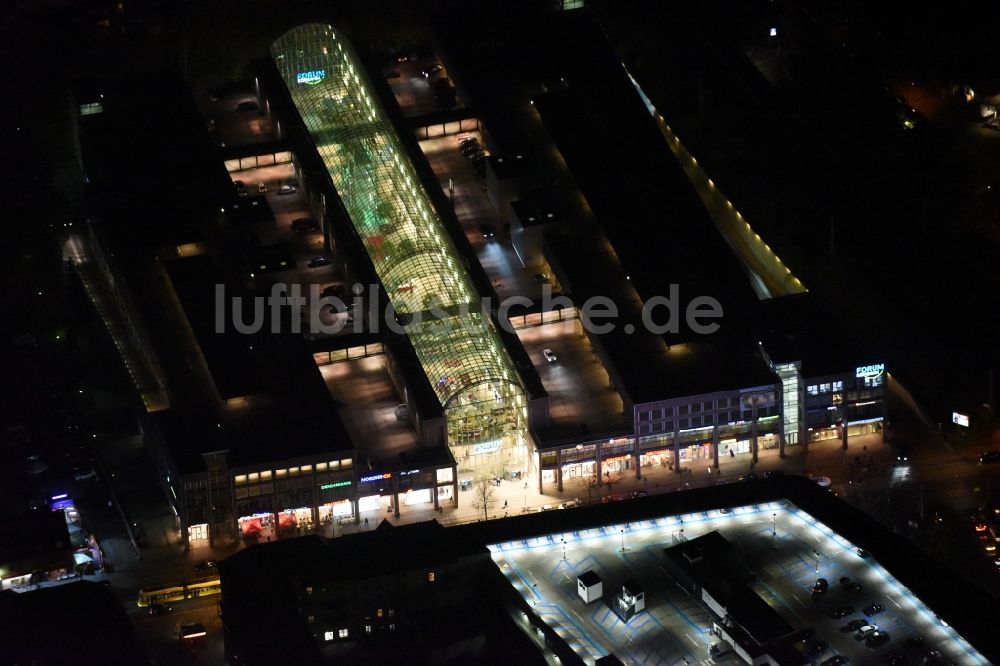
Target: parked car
[
  {"x": 876, "y": 638},
  {"x": 316, "y": 262},
  {"x": 241, "y": 188},
  {"x": 842, "y": 612},
  {"x": 835, "y": 660},
  {"x": 872, "y": 610},
  {"x": 862, "y": 553},
  {"x": 159, "y": 609},
  {"x": 821, "y": 585},
  {"x": 243, "y": 107},
  {"x": 549, "y": 355},
  {"x": 815, "y": 648},
  {"x": 430, "y": 71},
  {"x": 865, "y": 631},
  {"x": 287, "y": 189},
  {"x": 205, "y": 565},
  {"x": 191, "y": 631},
  {"x": 853, "y": 587},
  {"x": 855, "y": 625},
  {"x": 987, "y": 457},
  {"x": 542, "y": 277}
]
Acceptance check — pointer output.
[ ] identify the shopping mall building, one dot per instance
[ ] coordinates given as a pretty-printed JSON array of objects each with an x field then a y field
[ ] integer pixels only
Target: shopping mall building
[{"x": 247, "y": 438}]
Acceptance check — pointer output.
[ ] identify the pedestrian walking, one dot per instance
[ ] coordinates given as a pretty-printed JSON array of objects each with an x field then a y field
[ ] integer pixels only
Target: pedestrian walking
[
  {"x": 505, "y": 504},
  {"x": 366, "y": 521}
]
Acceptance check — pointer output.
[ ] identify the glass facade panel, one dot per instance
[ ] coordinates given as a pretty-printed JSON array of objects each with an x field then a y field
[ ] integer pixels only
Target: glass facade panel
[{"x": 459, "y": 350}]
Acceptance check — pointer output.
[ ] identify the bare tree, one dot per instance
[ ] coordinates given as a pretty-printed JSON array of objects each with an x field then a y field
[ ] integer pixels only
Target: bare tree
[
  {"x": 592, "y": 483},
  {"x": 484, "y": 497}
]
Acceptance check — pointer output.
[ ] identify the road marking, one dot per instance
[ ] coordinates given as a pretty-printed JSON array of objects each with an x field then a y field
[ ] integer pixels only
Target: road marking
[
  {"x": 894, "y": 601},
  {"x": 691, "y": 638},
  {"x": 802, "y": 603}
]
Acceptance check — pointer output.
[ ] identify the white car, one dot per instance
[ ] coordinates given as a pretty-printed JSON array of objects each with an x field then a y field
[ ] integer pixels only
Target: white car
[
  {"x": 549, "y": 355},
  {"x": 287, "y": 189}
]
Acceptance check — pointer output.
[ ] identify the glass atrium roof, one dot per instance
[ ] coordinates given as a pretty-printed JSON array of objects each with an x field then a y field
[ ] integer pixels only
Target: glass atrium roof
[{"x": 393, "y": 216}]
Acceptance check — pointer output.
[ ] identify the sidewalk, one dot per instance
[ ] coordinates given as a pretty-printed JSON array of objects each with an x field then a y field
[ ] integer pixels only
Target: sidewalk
[{"x": 167, "y": 562}]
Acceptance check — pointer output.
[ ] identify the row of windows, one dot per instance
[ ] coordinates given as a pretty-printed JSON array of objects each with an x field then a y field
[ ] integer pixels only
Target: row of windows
[
  {"x": 695, "y": 408},
  {"x": 710, "y": 419},
  {"x": 828, "y": 387},
  {"x": 265, "y": 475}
]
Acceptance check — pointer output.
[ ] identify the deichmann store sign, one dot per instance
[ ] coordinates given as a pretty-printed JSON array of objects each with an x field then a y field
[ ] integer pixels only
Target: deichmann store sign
[{"x": 876, "y": 370}]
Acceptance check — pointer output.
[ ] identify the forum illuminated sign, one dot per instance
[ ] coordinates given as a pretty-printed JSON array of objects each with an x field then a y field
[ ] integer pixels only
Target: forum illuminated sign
[
  {"x": 876, "y": 370},
  {"x": 311, "y": 77},
  {"x": 486, "y": 447},
  {"x": 960, "y": 419}
]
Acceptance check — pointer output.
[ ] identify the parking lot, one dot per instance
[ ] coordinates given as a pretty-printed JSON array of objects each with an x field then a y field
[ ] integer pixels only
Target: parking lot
[
  {"x": 413, "y": 91},
  {"x": 473, "y": 208},
  {"x": 370, "y": 401},
  {"x": 231, "y": 119},
  {"x": 577, "y": 384},
  {"x": 787, "y": 550}
]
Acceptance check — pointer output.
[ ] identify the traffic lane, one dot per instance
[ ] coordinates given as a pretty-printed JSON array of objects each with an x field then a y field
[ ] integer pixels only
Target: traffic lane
[
  {"x": 160, "y": 633},
  {"x": 473, "y": 209},
  {"x": 412, "y": 91},
  {"x": 578, "y": 386}
]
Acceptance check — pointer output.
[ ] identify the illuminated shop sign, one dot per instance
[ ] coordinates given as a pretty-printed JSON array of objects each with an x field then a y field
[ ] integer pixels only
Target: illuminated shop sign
[
  {"x": 375, "y": 477},
  {"x": 338, "y": 484},
  {"x": 960, "y": 419},
  {"x": 870, "y": 370},
  {"x": 408, "y": 473},
  {"x": 310, "y": 78},
  {"x": 486, "y": 447}
]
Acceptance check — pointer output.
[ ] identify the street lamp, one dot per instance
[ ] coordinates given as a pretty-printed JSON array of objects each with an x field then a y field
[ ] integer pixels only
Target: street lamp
[
  {"x": 774, "y": 524},
  {"x": 623, "y": 539},
  {"x": 564, "y": 548},
  {"x": 816, "y": 554}
]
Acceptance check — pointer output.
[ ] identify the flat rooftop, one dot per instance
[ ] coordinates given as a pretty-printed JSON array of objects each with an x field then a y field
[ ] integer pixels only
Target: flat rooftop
[
  {"x": 582, "y": 405},
  {"x": 675, "y": 626},
  {"x": 153, "y": 176},
  {"x": 648, "y": 366},
  {"x": 560, "y": 75},
  {"x": 801, "y": 328}
]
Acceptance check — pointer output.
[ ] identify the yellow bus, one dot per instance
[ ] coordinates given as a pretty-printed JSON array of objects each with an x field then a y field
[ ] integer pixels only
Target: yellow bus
[{"x": 199, "y": 587}]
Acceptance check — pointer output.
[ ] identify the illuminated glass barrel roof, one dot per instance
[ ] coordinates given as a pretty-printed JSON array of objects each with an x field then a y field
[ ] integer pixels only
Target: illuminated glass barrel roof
[{"x": 409, "y": 248}]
